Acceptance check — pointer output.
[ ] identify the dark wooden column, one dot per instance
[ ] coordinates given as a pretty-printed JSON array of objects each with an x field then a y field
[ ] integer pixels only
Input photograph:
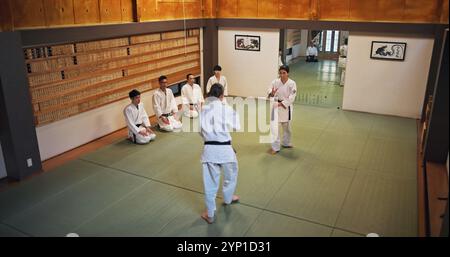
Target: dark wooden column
[{"x": 17, "y": 130}]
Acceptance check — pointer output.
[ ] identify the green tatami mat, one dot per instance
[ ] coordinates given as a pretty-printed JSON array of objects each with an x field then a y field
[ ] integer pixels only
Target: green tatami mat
[
  {"x": 391, "y": 156},
  {"x": 382, "y": 204},
  {"x": 29, "y": 193},
  {"x": 339, "y": 149},
  {"x": 60, "y": 214},
  {"x": 315, "y": 192},
  {"x": 231, "y": 221},
  {"x": 146, "y": 160},
  {"x": 6, "y": 231},
  {"x": 144, "y": 212},
  {"x": 394, "y": 128},
  {"x": 341, "y": 233},
  {"x": 276, "y": 225},
  {"x": 314, "y": 117},
  {"x": 351, "y": 123},
  {"x": 261, "y": 175},
  {"x": 348, "y": 174}
]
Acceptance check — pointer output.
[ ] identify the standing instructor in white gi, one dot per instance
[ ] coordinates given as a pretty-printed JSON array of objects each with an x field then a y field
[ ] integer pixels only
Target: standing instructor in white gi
[
  {"x": 216, "y": 121},
  {"x": 283, "y": 92}
]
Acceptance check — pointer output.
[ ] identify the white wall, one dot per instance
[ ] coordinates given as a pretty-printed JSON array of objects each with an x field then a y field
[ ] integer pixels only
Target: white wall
[
  {"x": 2, "y": 164},
  {"x": 249, "y": 73},
  {"x": 387, "y": 87}
]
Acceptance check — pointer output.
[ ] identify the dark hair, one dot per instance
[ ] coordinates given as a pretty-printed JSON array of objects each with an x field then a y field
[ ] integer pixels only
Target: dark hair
[
  {"x": 133, "y": 93},
  {"x": 216, "y": 90},
  {"x": 285, "y": 68},
  {"x": 190, "y": 74},
  {"x": 217, "y": 68},
  {"x": 162, "y": 78}
]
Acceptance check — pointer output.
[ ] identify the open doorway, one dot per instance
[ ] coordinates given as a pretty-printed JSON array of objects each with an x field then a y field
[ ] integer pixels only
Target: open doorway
[{"x": 320, "y": 79}]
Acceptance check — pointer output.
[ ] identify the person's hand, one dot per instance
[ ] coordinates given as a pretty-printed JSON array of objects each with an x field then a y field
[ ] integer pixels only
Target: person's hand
[
  {"x": 281, "y": 105},
  {"x": 143, "y": 133},
  {"x": 165, "y": 120},
  {"x": 274, "y": 91}
]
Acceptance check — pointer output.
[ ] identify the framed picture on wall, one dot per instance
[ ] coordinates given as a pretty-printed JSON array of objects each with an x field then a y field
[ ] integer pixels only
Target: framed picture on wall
[
  {"x": 247, "y": 43},
  {"x": 388, "y": 51}
]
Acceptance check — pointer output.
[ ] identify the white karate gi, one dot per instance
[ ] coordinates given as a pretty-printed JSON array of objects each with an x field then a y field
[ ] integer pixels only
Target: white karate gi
[
  {"x": 191, "y": 96},
  {"x": 281, "y": 117},
  {"x": 165, "y": 104},
  {"x": 312, "y": 51},
  {"x": 223, "y": 81},
  {"x": 216, "y": 120},
  {"x": 343, "y": 62},
  {"x": 136, "y": 118}
]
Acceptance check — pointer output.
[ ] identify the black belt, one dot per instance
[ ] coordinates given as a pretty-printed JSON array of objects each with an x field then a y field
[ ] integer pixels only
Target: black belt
[
  {"x": 167, "y": 115},
  {"x": 280, "y": 101},
  {"x": 217, "y": 143},
  {"x": 138, "y": 125}
]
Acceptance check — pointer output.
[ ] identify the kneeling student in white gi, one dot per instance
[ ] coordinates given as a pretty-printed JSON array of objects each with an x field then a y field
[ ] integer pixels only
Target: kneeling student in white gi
[
  {"x": 283, "y": 92},
  {"x": 165, "y": 107},
  {"x": 192, "y": 97},
  {"x": 216, "y": 119},
  {"x": 136, "y": 117}
]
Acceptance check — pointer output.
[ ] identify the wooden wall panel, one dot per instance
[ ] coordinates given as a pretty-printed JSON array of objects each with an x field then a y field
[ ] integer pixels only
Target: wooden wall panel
[
  {"x": 334, "y": 9},
  {"x": 86, "y": 11},
  {"x": 363, "y": 10},
  {"x": 110, "y": 11},
  {"x": 27, "y": 13},
  {"x": 193, "y": 10},
  {"x": 6, "y": 22},
  {"x": 127, "y": 7},
  {"x": 58, "y": 12},
  {"x": 444, "y": 12},
  {"x": 294, "y": 9},
  {"x": 390, "y": 10},
  {"x": 248, "y": 8},
  {"x": 169, "y": 10},
  {"x": 209, "y": 8},
  {"x": 422, "y": 10},
  {"x": 268, "y": 9},
  {"x": 146, "y": 10},
  {"x": 227, "y": 8}
]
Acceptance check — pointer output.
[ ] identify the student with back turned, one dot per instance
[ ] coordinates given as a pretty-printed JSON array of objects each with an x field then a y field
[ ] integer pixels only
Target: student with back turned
[{"x": 216, "y": 121}]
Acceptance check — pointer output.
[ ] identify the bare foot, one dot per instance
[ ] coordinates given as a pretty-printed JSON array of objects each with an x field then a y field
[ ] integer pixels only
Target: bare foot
[
  {"x": 273, "y": 152},
  {"x": 235, "y": 199},
  {"x": 209, "y": 220}
]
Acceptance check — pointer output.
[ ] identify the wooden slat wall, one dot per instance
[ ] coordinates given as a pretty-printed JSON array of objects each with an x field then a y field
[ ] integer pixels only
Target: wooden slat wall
[
  {"x": 294, "y": 9},
  {"x": 48, "y": 13},
  {"x": 209, "y": 8},
  {"x": 444, "y": 12},
  {"x": 127, "y": 7},
  {"x": 58, "y": 12},
  {"x": 110, "y": 11},
  {"x": 66, "y": 80},
  {"x": 6, "y": 22},
  {"x": 86, "y": 11},
  {"x": 227, "y": 9},
  {"x": 268, "y": 8},
  {"x": 27, "y": 13},
  {"x": 334, "y": 9},
  {"x": 424, "y": 11}
]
